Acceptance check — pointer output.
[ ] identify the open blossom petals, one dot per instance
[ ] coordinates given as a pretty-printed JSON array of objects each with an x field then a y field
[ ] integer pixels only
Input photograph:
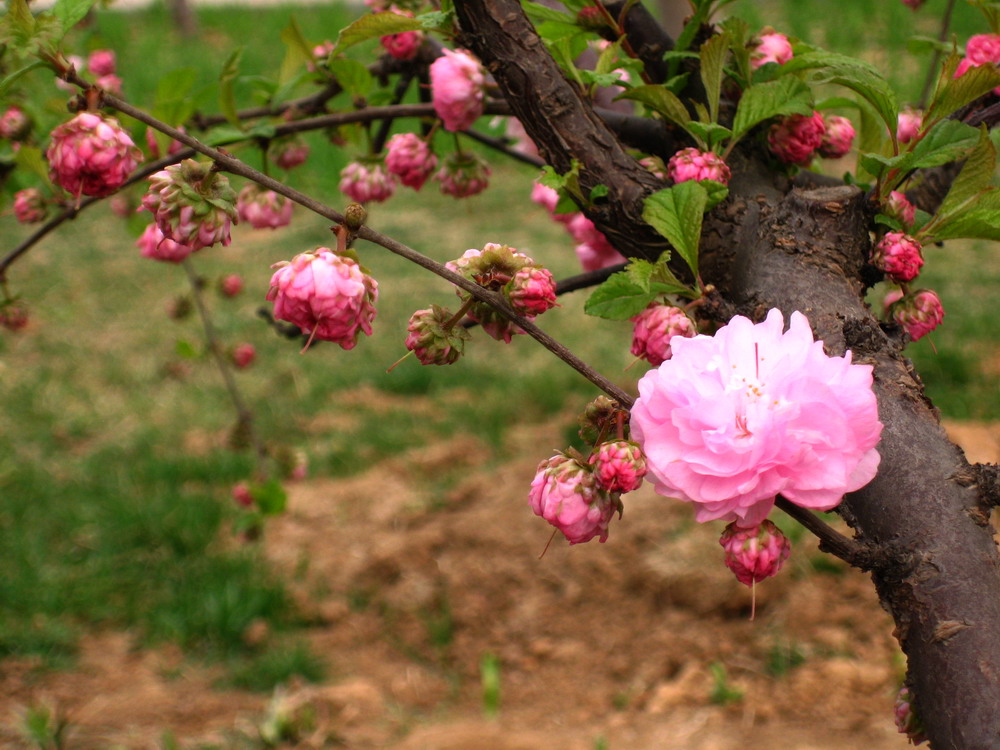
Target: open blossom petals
[
  {"x": 566, "y": 495},
  {"x": 326, "y": 295},
  {"x": 263, "y": 209},
  {"x": 364, "y": 181},
  {"x": 457, "y": 82},
  {"x": 91, "y": 155},
  {"x": 593, "y": 249},
  {"x": 154, "y": 245},
  {"x": 730, "y": 421}
]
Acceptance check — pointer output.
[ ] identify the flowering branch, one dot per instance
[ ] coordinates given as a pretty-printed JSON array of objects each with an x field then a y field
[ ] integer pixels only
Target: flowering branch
[{"x": 830, "y": 540}]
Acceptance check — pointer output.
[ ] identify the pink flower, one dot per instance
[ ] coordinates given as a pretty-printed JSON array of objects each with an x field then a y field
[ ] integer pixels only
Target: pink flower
[
  {"x": 110, "y": 83},
  {"x": 565, "y": 493},
  {"x": 909, "y": 124},
  {"x": 796, "y": 138},
  {"x": 457, "y": 84},
  {"x": 918, "y": 313},
  {"x": 101, "y": 62},
  {"x": 404, "y": 45},
  {"x": 79, "y": 65},
  {"x": 243, "y": 355},
  {"x": 730, "y": 421},
  {"x": 320, "y": 54},
  {"x": 838, "y": 138},
  {"x": 289, "y": 154},
  {"x": 367, "y": 180},
  {"x": 907, "y": 721},
  {"x": 619, "y": 466},
  {"x": 241, "y": 494},
  {"x": 14, "y": 123},
  {"x": 463, "y": 175},
  {"x": 326, "y": 295},
  {"x": 773, "y": 48},
  {"x": 409, "y": 158},
  {"x": 231, "y": 285},
  {"x": 692, "y": 164},
  {"x": 154, "y": 148},
  {"x": 29, "y": 206},
  {"x": 153, "y": 245},
  {"x": 192, "y": 204},
  {"x": 548, "y": 199},
  {"x": 433, "y": 338},
  {"x": 593, "y": 249},
  {"x": 900, "y": 208},
  {"x": 754, "y": 553},
  {"x": 982, "y": 49},
  {"x": 654, "y": 329},
  {"x": 522, "y": 141},
  {"x": 532, "y": 291},
  {"x": 91, "y": 155},
  {"x": 263, "y": 209},
  {"x": 898, "y": 256}
]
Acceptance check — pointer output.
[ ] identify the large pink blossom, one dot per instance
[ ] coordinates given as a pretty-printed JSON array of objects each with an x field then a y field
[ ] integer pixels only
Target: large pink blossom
[
  {"x": 91, "y": 155},
  {"x": 326, "y": 295},
  {"x": 457, "y": 81},
  {"x": 566, "y": 494},
  {"x": 732, "y": 420}
]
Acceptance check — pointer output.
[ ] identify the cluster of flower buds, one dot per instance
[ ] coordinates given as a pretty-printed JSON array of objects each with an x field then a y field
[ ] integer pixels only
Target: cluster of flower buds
[
  {"x": 435, "y": 337},
  {"x": 898, "y": 256},
  {"x": 328, "y": 296},
  {"x": 14, "y": 123},
  {"x": 30, "y": 206},
  {"x": 754, "y": 553},
  {"x": 457, "y": 87},
  {"x": 772, "y": 48},
  {"x": 463, "y": 174},
  {"x": 410, "y": 159},
  {"x": 693, "y": 164},
  {"x": 655, "y": 327},
  {"x": 154, "y": 245},
  {"x": 404, "y": 45},
  {"x": 918, "y": 312},
  {"x": 91, "y": 155},
  {"x": 527, "y": 286},
  {"x": 618, "y": 465},
  {"x": 263, "y": 209},
  {"x": 367, "y": 180},
  {"x": 907, "y": 720},
  {"x": 192, "y": 204},
  {"x": 796, "y": 138}
]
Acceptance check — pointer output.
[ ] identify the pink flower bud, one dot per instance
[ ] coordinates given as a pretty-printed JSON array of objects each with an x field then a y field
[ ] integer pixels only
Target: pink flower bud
[
  {"x": 192, "y": 204},
  {"x": 619, "y": 466},
  {"x": 532, "y": 291},
  {"x": 909, "y": 124},
  {"x": 463, "y": 175},
  {"x": 898, "y": 256},
  {"x": 773, "y": 48},
  {"x": 982, "y": 49},
  {"x": 692, "y": 164},
  {"x": 110, "y": 83},
  {"x": 241, "y": 494},
  {"x": 918, "y": 313},
  {"x": 154, "y": 245},
  {"x": 91, "y": 155},
  {"x": 410, "y": 159},
  {"x": 654, "y": 329},
  {"x": 838, "y": 138},
  {"x": 289, "y": 153},
  {"x": 231, "y": 285},
  {"x": 457, "y": 85},
  {"x": 494, "y": 267},
  {"x": 13, "y": 316},
  {"x": 243, "y": 355},
  {"x": 101, "y": 62},
  {"x": 14, "y": 123},
  {"x": 900, "y": 208},
  {"x": 754, "y": 553},
  {"x": 907, "y": 721},
  {"x": 326, "y": 295},
  {"x": 593, "y": 249},
  {"x": 565, "y": 493},
  {"x": 404, "y": 45},
  {"x": 367, "y": 180},
  {"x": 263, "y": 209},
  {"x": 29, "y": 206},
  {"x": 796, "y": 138},
  {"x": 320, "y": 54},
  {"x": 431, "y": 341}
]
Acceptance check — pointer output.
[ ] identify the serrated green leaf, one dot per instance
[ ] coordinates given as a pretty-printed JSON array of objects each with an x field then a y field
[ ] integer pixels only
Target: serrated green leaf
[
  {"x": 618, "y": 298},
  {"x": 947, "y": 141},
  {"x": 976, "y": 176},
  {"x": 593, "y": 78},
  {"x": 786, "y": 96},
  {"x": 713, "y": 59},
  {"x": 677, "y": 213},
  {"x": 954, "y": 93},
  {"x": 639, "y": 272},
  {"x": 14, "y": 77},
  {"x": 29, "y": 159},
  {"x": 70, "y": 12},
  {"x": 661, "y": 100},
  {"x": 440, "y": 21},
  {"x": 980, "y": 222},
  {"x": 227, "y": 95},
  {"x": 717, "y": 192},
  {"x": 298, "y": 53},
  {"x": 18, "y": 23},
  {"x": 374, "y": 25},
  {"x": 889, "y": 221},
  {"x": 353, "y": 76},
  {"x": 708, "y": 133}
]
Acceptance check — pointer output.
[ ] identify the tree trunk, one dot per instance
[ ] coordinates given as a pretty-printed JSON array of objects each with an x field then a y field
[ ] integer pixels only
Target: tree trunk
[{"x": 936, "y": 567}]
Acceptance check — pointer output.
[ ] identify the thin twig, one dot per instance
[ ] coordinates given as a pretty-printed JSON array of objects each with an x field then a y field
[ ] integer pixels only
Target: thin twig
[
  {"x": 830, "y": 540},
  {"x": 932, "y": 70}
]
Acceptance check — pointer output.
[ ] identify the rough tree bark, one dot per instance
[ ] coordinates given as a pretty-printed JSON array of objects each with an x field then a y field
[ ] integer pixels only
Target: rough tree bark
[{"x": 936, "y": 566}]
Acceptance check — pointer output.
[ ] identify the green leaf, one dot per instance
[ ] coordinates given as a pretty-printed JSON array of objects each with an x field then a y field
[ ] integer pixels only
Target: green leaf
[
  {"x": 947, "y": 141},
  {"x": 185, "y": 349},
  {"x": 18, "y": 23},
  {"x": 954, "y": 93},
  {"x": 919, "y": 45},
  {"x": 980, "y": 222},
  {"x": 374, "y": 25},
  {"x": 619, "y": 298},
  {"x": 174, "y": 103},
  {"x": 639, "y": 272},
  {"x": 438, "y": 21},
  {"x": 227, "y": 96},
  {"x": 786, "y": 96},
  {"x": 708, "y": 133},
  {"x": 298, "y": 53},
  {"x": 889, "y": 221},
  {"x": 70, "y": 12},
  {"x": 713, "y": 60},
  {"x": 661, "y": 100},
  {"x": 14, "y": 77},
  {"x": 270, "y": 497},
  {"x": 29, "y": 159},
  {"x": 224, "y": 134},
  {"x": 717, "y": 192},
  {"x": 975, "y": 178},
  {"x": 677, "y": 213},
  {"x": 353, "y": 76},
  {"x": 597, "y": 192},
  {"x": 540, "y": 13},
  {"x": 739, "y": 36}
]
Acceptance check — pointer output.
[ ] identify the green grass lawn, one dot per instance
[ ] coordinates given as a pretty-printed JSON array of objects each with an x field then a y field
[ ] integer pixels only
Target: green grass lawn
[{"x": 114, "y": 466}]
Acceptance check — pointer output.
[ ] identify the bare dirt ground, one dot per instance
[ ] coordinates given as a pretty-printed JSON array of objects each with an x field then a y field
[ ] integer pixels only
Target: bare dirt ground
[{"x": 599, "y": 646}]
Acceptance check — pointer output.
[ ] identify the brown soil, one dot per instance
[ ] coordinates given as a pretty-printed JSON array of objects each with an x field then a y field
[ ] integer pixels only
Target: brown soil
[{"x": 599, "y": 646}]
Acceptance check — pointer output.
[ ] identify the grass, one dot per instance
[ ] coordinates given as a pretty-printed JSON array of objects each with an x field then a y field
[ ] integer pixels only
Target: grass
[{"x": 114, "y": 466}]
